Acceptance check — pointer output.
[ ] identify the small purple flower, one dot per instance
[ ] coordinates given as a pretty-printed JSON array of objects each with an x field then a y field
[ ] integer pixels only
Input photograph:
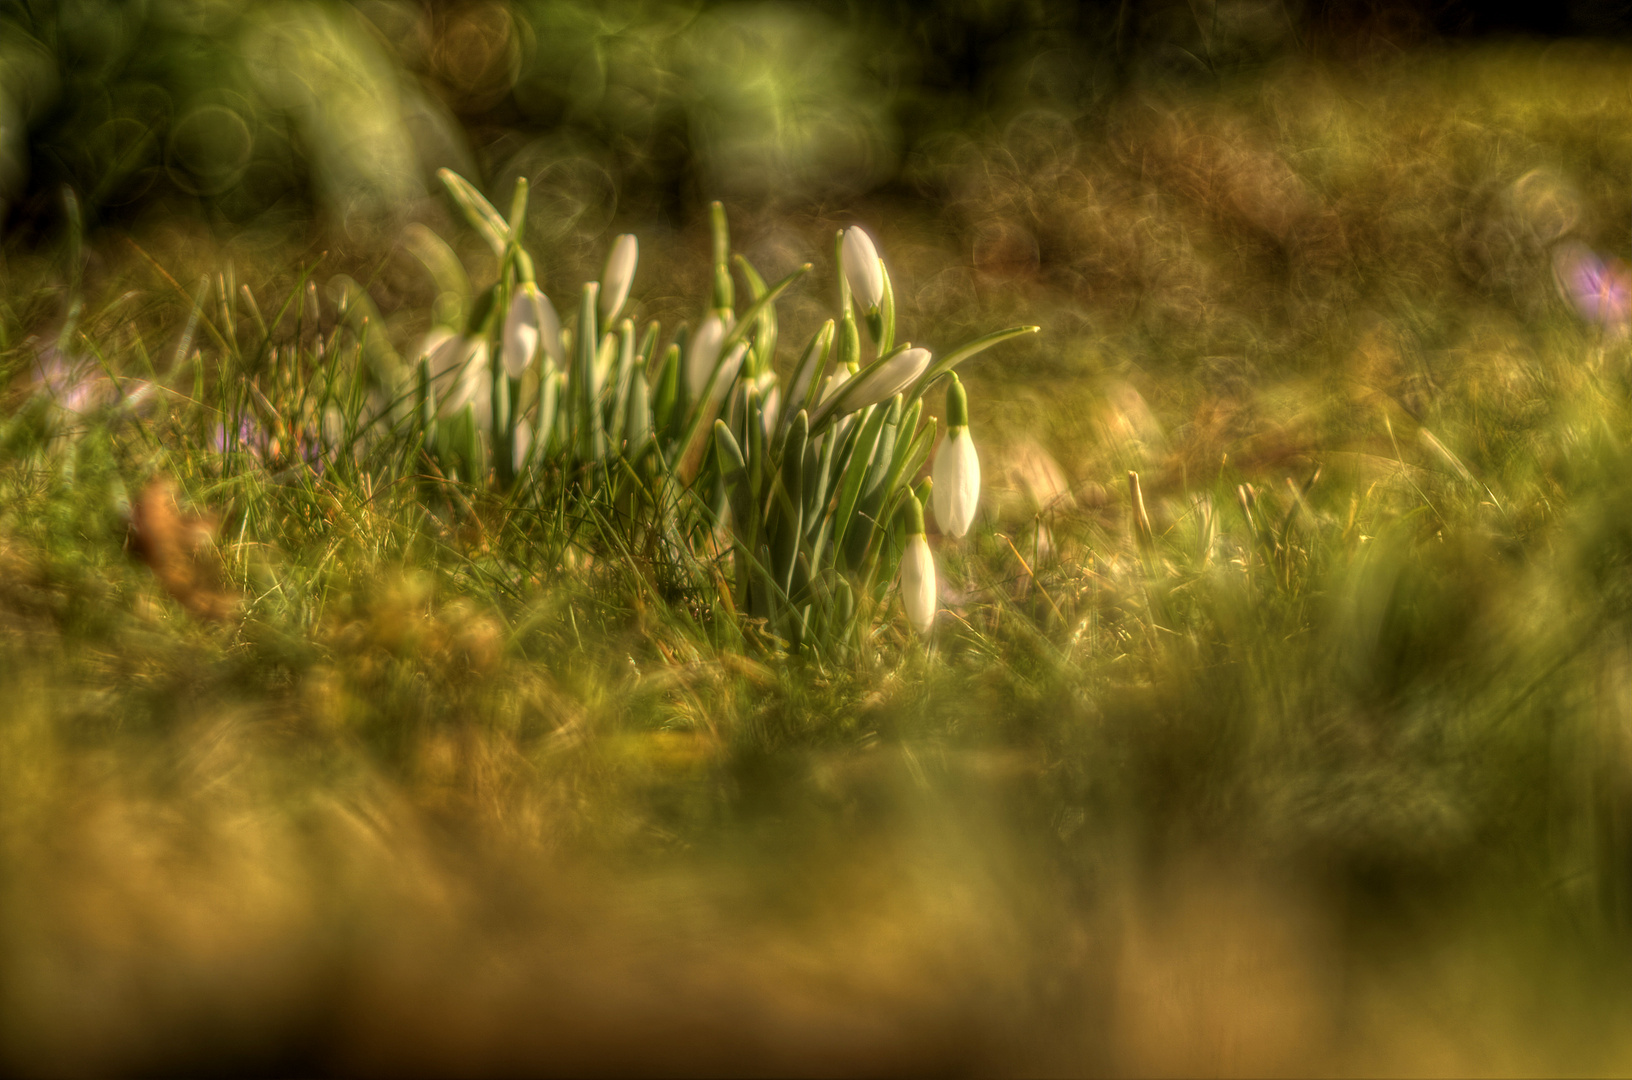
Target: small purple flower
[
  {"x": 297, "y": 446},
  {"x": 251, "y": 437},
  {"x": 309, "y": 448},
  {"x": 79, "y": 387},
  {"x": 76, "y": 387},
  {"x": 1600, "y": 289}
]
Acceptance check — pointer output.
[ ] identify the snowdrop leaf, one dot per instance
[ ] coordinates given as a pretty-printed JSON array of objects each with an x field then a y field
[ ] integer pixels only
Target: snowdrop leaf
[
  {"x": 477, "y": 210},
  {"x": 959, "y": 355}
]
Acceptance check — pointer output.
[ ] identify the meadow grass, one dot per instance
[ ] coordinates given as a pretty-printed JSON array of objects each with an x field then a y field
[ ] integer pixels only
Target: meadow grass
[{"x": 1317, "y": 760}]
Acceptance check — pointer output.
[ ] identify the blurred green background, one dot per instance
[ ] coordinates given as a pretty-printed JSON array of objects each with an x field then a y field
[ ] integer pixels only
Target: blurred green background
[{"x": 269, "y": 112}]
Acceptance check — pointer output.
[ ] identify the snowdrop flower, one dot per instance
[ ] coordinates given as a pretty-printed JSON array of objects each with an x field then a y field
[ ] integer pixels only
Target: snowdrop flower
[
  {"x": 832, "y": 385},
  {"x": 918, "y": 572},
  {"x": 441, "y": 349},
  {"x": 530, "y": 324},
  {"x": 862, "y": 268},
  {"x": 886, "y": 378},
  {"x": 956, "y": 491},
  {"x": 431, "y": 344},
  {"x": 703, "y": 353},
  {"x": 461, "y": 373},
  {"x": 618, "y": 276}
]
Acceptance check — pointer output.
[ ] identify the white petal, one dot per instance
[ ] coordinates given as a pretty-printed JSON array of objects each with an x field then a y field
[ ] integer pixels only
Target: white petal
[
  {"x": 432, "y": 343},
  {"x": 832, "y": 385},
  {"x": 445, "y": 361},
  {"x": 887, "y": 378},
  {"x": 861, "y": 268},
  {"x": 918, "y": 583},
  {"x": 619, "y": 275},
  {"x": 956, "y": 492},
  {"x": 703, "y": 353},
  {"x": 470, "y": 383},
  {"x": 520, "y": 343},
  {"x": 530, "y": 316},
  {"x": 549, "y": 329},
  {"x": 770, "y": 410},
  {"x": 728, "y": 370}
]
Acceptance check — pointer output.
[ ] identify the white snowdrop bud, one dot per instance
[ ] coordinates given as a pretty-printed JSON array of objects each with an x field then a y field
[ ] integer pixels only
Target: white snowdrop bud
[
  {"x": 469, "y": 380},
  {"x": 918, "y": 589},
  {"x": 531, "y": 324},
  {"x": 832, "y": 385},
  {"x": 728, "y": 370},
  {"x": 703, "y": 353},
  {"x": 955, "y": 494},
  {"x": 862, "y": 268},
  {"x": 886, "y": 378},
  {"x": 618, "y": 276}
]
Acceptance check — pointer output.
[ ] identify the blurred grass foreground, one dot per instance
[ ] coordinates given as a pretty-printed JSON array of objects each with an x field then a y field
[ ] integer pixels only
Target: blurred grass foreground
[{"x": 381, "y": 698}]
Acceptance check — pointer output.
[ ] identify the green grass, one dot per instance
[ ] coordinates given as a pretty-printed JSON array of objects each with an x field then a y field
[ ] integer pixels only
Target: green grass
[{"x": 1329, "y": 774}]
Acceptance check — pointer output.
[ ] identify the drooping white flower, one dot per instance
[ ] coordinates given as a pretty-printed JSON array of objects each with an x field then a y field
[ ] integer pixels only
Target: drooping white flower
[
  {"x": 530, "y": 325},
  {"x": 862, "y": 269},
  {"x": 618, "y": 276},
  {"x": 703, "y": 353},
  {"x": 918, "y": 588},
  {"x": 886, "y": 378},
  {"x": 955, "y": 494},
  {"x": 442, "y": 349},
  {"x": 520, "y": 338},
  {"x": 431, "y": 344},
  {"x": 462, "y": 375}
]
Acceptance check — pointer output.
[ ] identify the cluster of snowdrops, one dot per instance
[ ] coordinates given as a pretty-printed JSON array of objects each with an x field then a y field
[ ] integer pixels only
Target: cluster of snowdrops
[
  {"x": 793, "y": 498},
  {"x": 809, "y": 483}
]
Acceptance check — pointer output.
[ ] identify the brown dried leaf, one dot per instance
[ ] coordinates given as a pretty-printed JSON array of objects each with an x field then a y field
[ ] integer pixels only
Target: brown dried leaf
[{"x": 180, "y": 549}]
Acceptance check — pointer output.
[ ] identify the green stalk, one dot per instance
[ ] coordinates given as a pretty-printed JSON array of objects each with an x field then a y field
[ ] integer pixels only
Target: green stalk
[
  {"x": 855, "y": 473},
  {"x": 582, "y": 382}
]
